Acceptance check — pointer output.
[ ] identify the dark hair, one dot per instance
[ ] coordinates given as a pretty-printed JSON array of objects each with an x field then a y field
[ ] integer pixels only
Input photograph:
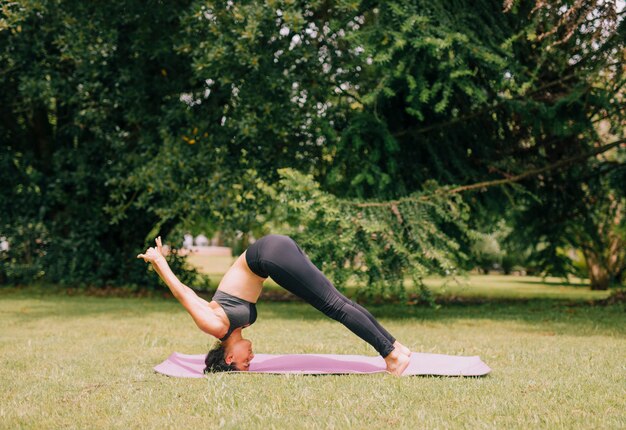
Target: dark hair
[{"x": 215, "y": 361}]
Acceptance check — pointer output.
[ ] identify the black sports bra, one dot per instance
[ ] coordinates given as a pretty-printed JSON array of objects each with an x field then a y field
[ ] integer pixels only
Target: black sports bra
[{"x": 240, "y": 312}]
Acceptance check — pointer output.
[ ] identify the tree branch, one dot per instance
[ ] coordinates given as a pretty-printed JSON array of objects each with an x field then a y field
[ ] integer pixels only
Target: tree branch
[
  {"x": 485, "y": 109},
  {"x": 493, "y": 183},
  {"x": 535, "y": 172}
]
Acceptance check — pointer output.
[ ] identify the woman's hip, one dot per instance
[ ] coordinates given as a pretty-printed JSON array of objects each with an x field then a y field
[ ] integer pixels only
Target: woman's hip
[{"x": 274, "y": 248}]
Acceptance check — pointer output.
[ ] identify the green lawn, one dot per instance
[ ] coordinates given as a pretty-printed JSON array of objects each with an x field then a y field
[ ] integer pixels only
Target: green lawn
[
  {"x": 515, "y": 287},
  {"x": 476, "y": 286},
  {"x": 211, "y": 264},
  {"x": 86, "y": 362}
]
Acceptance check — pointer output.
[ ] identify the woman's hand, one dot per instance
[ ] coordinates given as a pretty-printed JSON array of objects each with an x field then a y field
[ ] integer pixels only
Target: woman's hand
[{"x": 153, "y": 254}]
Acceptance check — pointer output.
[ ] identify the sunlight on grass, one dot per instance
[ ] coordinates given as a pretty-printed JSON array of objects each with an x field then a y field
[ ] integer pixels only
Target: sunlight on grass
[
  {"x": 487, "y": 286},
  {"x": 502, "y": 286},
  {"x": 86, "y": 362},
  {"x": 211, "y": 264}
]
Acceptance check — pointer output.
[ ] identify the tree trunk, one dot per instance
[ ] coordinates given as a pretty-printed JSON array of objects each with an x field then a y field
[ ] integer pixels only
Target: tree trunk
[
  {"x": 599, "y": 278},
  {"x": 598, "y": 275},
  {"x": 245, "y": 240},
  {"x": 605, "y": 256},
  {"x": 219, "y": 238},
  {"x": 42, "y": 131}
]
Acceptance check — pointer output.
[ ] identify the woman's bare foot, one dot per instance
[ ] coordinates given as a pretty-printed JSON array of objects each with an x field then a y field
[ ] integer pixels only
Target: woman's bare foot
[
  {"x": 397, "y": 362},
  {"x": 403, "y": 349}
]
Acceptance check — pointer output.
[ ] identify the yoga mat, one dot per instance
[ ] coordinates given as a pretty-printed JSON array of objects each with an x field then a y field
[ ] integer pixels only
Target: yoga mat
[{"x": 191, "y": 366}]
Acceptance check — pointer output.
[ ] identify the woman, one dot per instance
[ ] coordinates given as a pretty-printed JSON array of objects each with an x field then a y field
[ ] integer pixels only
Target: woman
[{"x": 233, "y": 305}]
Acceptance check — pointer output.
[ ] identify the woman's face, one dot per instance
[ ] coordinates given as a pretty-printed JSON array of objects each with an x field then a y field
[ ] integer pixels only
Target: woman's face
[{"x": 240, "y": 354}]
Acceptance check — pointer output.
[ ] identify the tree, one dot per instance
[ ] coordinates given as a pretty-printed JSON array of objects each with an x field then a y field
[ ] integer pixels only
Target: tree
[
  {"x": 579, "y": 204},
  {"x": 416, "y": 115},
  {"x": 81, "y": 104}
]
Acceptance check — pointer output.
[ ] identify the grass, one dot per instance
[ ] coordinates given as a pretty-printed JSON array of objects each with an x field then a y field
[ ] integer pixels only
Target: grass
[
  {"x": 515, "y": 287},
  {"x": 211, "y": 264},
  {"x": 86, "y": 362},
  {"x": 492, "y": 287}
]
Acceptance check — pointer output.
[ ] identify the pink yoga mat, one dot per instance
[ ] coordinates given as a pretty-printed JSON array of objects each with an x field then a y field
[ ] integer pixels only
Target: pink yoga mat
[{"x": 191, "y": 366}]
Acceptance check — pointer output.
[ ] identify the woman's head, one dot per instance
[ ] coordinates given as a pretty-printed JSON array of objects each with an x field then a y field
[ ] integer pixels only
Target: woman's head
[{"x": 229, "y": 356}]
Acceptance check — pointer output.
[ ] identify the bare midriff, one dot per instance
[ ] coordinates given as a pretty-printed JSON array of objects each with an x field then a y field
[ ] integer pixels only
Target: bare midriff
[{"x": 242, "y": 282}]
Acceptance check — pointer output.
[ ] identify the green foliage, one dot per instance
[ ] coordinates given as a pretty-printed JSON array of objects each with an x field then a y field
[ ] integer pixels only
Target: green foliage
[
  {"x": 21, "y": 263},
  {"x": 122, "y": 123},
  {"x": 487, "y": 252},
  {"x": 421, "y": 234},
  {"x": 82, "y": 89}
]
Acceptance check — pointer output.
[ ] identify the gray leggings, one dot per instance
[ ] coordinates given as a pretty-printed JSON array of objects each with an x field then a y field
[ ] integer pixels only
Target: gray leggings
[{"x": 281, "y": 258}]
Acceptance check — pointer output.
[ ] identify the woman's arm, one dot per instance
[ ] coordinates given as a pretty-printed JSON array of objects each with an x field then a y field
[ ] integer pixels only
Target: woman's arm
[{"x": 202, "y": 314}]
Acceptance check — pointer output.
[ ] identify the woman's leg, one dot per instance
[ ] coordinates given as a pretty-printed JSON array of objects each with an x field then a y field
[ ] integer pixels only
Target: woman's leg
[
  {"x": 285, "y": 262},
  {"x": 352, "y": 303},
  {"x": 369, "y": 316}
]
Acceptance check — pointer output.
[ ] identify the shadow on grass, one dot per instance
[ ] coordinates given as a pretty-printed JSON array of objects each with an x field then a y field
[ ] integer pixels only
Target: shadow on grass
[
  {"x": 573, "y": 317},
  {"x": 25, "y": 304},
  {"x": 554, "y": 283}
]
